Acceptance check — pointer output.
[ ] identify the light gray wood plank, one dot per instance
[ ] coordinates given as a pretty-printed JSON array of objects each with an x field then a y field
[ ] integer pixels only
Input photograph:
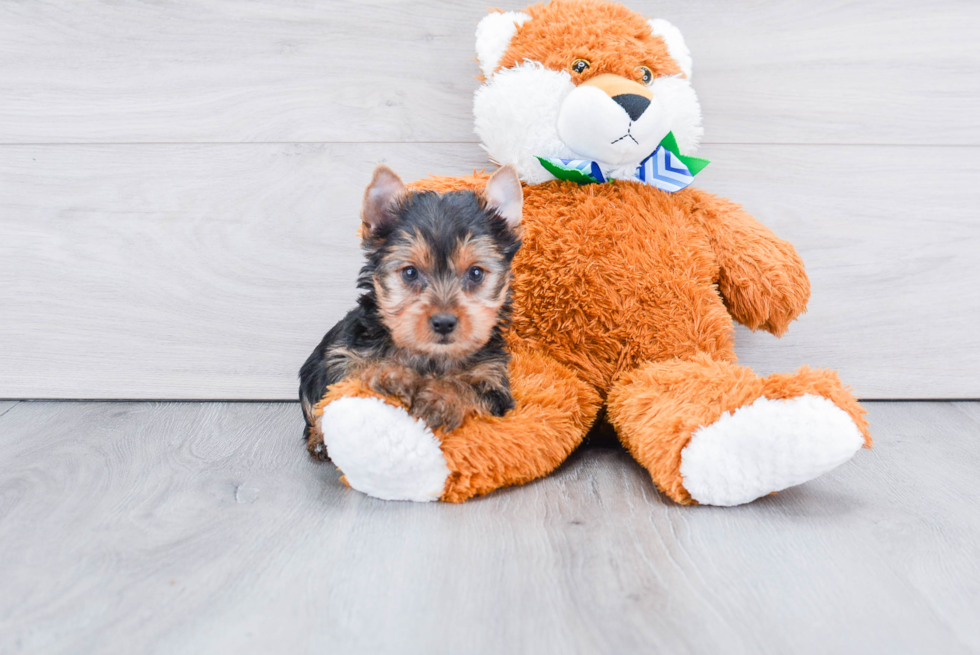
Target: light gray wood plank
[
  {"x": 204, "y": 528},
  {"x": 205, "y": 271},
  {"x": 925, "y": 469},
  {"x": 211, "y": 271},
  {"x": 971, "y": 409},
  {"x": 6, "y": 405},
  {"x": 181, "y": 271},
  {"x": 392, "y": 70},
  {"x": 891, "y": 252}
]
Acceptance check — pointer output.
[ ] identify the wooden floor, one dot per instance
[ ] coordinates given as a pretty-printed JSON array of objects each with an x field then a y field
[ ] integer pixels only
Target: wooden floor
[{"x": 203, "y": 528}]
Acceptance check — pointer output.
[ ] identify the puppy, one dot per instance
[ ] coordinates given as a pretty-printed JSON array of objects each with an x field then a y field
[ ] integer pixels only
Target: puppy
[{"x": 428, "y": 328}]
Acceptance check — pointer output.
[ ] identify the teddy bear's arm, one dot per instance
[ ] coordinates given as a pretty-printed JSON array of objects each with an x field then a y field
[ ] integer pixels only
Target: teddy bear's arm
[
  {"x": 443, "y": 184},
  {"x": 761, "y": 277}
]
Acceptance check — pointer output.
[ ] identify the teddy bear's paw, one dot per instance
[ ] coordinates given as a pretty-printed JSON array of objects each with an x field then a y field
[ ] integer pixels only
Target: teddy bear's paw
[
  {"x": 382, "y": 451},
  {"x": 765, "y": 447}
]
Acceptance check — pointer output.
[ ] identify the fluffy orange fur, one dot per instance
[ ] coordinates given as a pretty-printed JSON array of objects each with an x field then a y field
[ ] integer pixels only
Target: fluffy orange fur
[
  {"x": 636, "y": 290},
  {"x": 614, "y": 275},
  {"x": 610, "y": 37},
  {"x": 625, "y": 295}
]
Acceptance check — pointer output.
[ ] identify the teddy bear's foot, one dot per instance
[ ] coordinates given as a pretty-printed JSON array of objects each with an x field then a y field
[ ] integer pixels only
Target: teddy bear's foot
[
  {"x": 382, "y": 451},
  {"x": 713, "y": 432},
  {"x": 767, "y": 446}
]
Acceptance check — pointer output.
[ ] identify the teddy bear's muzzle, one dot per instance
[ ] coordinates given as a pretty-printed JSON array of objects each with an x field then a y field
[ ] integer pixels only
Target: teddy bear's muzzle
[{"x": 612, "y": 120}]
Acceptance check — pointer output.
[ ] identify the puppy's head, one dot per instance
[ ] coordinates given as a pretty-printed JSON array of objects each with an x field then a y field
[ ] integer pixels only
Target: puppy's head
[{"x": 440, "y": 263}]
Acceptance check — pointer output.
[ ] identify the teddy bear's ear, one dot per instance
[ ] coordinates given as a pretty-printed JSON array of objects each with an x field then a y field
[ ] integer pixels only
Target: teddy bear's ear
[
  {"x": 505, "y": 195},
  {"x": 675, "y": 43},
  {"x": 385, "y": 187},
  {"x": 493, "y": 35}
]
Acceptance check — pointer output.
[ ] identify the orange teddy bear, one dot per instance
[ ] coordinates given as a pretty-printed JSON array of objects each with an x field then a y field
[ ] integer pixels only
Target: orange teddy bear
[{"x": 625, "y": 291}]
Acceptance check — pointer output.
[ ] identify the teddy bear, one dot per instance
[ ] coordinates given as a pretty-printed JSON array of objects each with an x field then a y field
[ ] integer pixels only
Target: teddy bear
[{"x": 625, "y": 291}]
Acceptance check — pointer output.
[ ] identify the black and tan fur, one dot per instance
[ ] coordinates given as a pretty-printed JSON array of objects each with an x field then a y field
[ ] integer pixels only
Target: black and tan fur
[{"x": 428, "y": 329}]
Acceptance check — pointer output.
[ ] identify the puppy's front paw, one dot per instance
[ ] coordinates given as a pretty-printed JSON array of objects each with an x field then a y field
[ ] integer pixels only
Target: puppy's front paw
[
  {"x": 440, "y": 405},
  {"x": 498, "y": 401},
  {"x": 392, "y": 380}
]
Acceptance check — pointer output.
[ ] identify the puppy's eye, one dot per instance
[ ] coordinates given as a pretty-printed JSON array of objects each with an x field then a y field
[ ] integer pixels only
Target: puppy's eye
[
  {"x": 646, "y": 74},
  {"x": 410, "y": 274},
  {"x": 579, "y": 65},
  {"x": 475, "y": 274}
]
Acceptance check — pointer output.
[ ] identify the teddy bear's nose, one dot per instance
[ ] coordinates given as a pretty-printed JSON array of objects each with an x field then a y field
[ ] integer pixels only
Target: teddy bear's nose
[{"x": 633, "y": 104}]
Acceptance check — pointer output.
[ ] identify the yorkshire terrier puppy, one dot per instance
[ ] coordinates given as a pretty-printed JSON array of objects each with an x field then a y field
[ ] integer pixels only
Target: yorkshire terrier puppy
[{"x": 428, "y": 328}]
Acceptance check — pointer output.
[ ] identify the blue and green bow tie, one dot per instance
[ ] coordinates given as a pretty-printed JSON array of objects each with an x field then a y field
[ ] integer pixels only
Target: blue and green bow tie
[{"x": 666, "y": 168}]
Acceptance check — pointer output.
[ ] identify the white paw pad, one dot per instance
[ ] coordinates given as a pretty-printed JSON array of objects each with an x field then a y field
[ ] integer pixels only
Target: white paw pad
[
  {"x": 383, "y": 451},
  {"x": 767, "y": 446}
]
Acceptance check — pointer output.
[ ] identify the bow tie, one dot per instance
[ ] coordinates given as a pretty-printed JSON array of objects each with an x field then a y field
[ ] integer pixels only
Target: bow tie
[{"x": 666, "y": 168}]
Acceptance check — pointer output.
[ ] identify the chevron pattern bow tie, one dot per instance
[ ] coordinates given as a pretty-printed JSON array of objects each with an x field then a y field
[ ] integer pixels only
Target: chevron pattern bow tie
[{"x": 666, "y": 168}]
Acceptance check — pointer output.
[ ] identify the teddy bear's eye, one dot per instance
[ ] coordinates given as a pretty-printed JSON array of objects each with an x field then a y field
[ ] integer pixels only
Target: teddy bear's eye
[
  {"x": 646, "y": 73},
  {"x": 579, "y": 65}
]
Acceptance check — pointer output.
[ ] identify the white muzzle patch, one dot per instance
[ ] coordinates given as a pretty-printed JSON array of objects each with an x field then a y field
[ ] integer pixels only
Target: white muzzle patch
[{"x": 595, "y": 126}]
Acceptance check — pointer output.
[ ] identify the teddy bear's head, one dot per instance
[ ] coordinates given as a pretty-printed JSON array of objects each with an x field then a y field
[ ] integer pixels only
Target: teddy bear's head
[{"x": 582, "y": 79}]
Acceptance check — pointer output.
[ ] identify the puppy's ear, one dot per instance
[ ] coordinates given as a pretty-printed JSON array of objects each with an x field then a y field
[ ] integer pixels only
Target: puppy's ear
[
  {"x": 504, "y": 195},
  {"x": 384, "y": 189}
]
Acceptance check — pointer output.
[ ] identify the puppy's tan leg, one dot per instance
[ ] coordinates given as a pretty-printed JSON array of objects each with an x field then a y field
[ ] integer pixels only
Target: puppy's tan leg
[
  {"x": 444, "y": 403},
  {"x": 391, "y": 379}
]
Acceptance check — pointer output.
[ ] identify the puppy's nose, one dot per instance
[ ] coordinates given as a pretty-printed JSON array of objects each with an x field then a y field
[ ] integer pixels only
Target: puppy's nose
[
  {"x": 634, "y": 104},
  {"x": 443, "y": 323}
]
